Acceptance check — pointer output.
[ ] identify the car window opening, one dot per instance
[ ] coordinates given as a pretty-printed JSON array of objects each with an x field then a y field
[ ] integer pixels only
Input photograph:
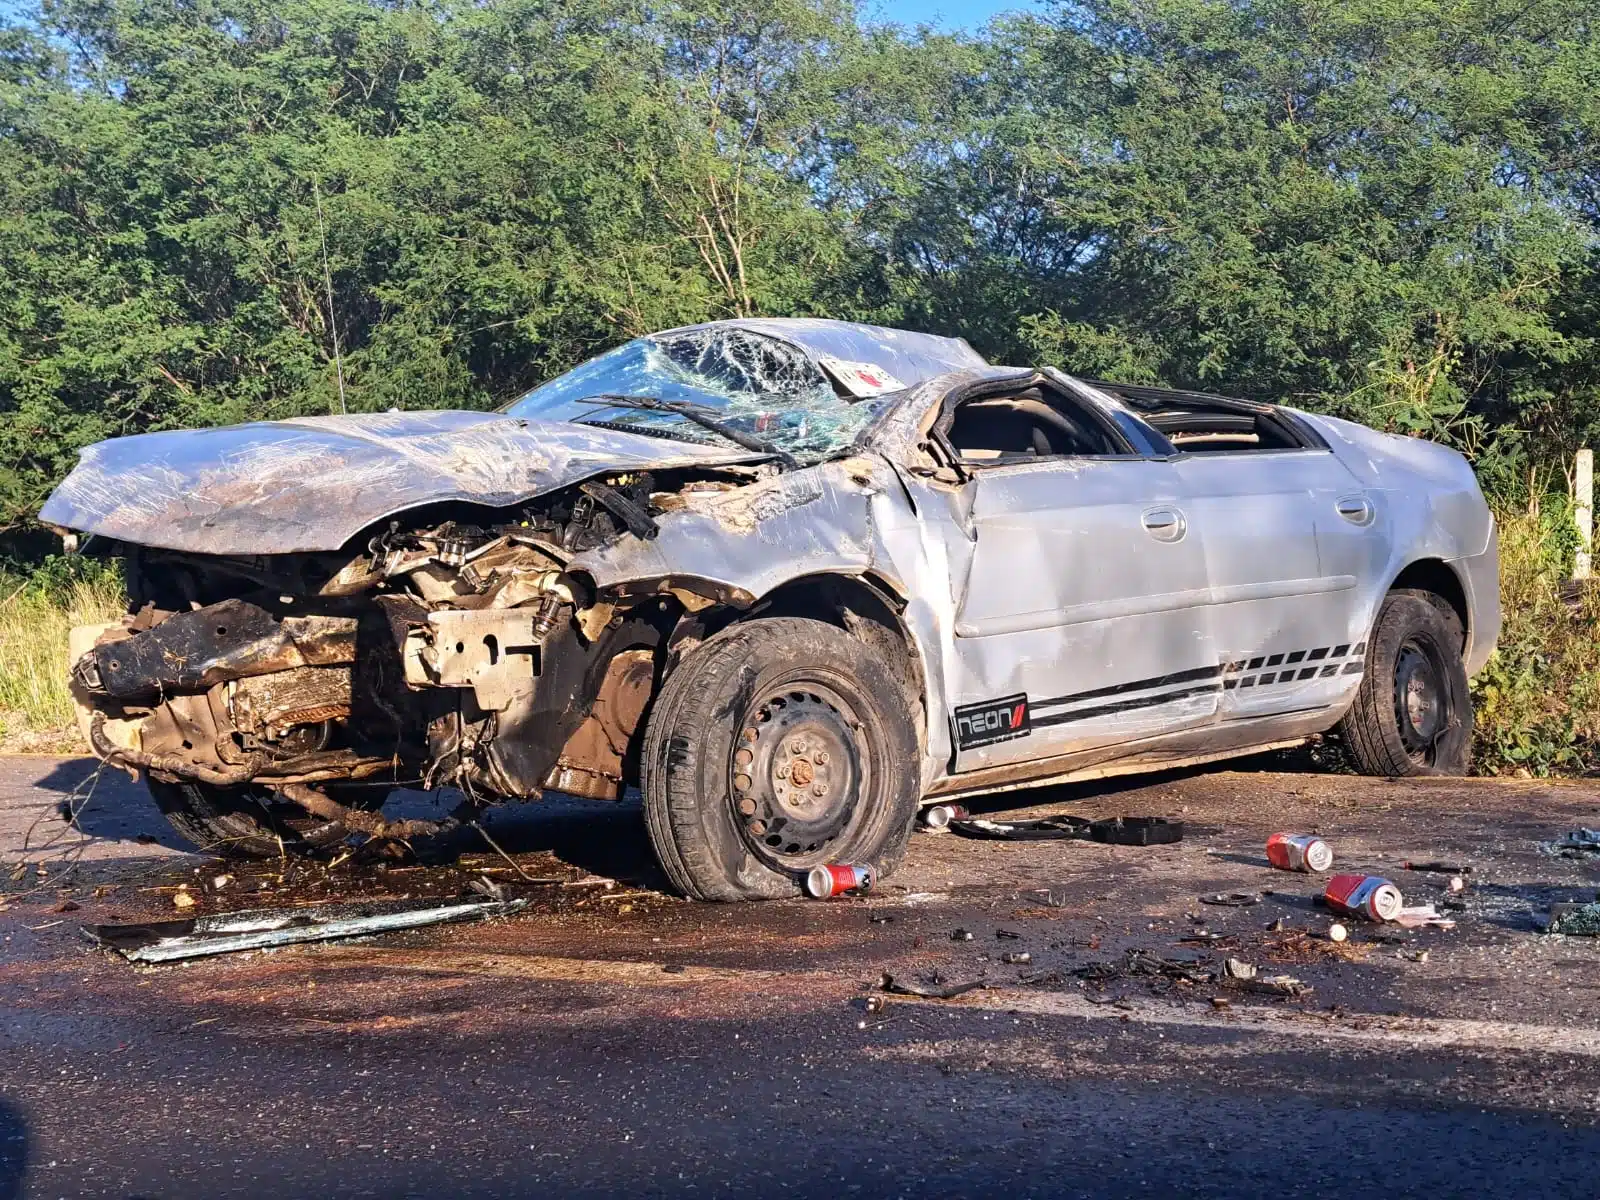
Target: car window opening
[
  {"x": 1198, "y": 423},
  {"x": 1203, "y": 431},
  {"x": 1031, "y": 423}
]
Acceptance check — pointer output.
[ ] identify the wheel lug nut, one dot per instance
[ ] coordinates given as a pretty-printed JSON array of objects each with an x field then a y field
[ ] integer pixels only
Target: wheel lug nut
[
  {"x": 758, "y": 827},
  {"x": 782, "y": 772},
  {"x": 797, "y": 746},
  {"x": 741, "y": 783},
  {"x": 749, "y": 735},
  {"x": 742, "y": 757},
  {"x": 819, "y": 790},
  {"x": 821, "y": 756},
  {"x": 747, "y": 807}
]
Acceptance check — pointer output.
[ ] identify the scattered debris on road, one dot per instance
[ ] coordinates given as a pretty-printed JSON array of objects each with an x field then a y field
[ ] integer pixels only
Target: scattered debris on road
[
  {"x": 935, "y": 989},
  {"x": 266, "y": 929},
  {"x": 1113, "y": 831},
  {"x": 1437, "y": 868},
  {"x": 936, "y": 818},
  {"x": 1575, "y": 920},
  {"x": 1136, "y": 963},
  {"x": 1421, "y": 916},
  {"x": 1232, "y": 899},
  {"x": 1577, "y": 843}
]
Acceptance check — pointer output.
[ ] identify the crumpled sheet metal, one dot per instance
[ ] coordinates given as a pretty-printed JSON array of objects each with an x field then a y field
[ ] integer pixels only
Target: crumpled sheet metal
[
  {"x": 267, "y": 929},
  {"x": 752, "y": 539},
  {"x": 286, "y": 487},
  {"x": 849, "y": 516},
  {"x": 899, "y": 430}
]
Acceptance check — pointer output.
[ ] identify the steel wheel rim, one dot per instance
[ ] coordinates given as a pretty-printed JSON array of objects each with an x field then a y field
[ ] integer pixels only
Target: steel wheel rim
[
  {"x": 798, "y": 771},
  {"x": 1420, "y": 706}
]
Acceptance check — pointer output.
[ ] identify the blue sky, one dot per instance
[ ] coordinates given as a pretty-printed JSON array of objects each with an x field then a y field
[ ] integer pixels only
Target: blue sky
[{"x": 946, "y": 14}]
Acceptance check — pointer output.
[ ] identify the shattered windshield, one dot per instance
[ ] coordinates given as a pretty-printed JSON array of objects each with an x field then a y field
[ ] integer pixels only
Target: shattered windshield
[{"x": 754, "y": 383}]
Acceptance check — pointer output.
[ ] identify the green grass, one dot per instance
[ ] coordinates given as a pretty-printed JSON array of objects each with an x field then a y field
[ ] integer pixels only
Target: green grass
[
  {"x": 1538, "y": 700},
  {"x": 36, "y": 613}
]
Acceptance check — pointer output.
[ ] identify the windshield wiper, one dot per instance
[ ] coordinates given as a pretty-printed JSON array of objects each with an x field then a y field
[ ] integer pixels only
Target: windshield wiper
[{"x": 702, "y": 418}]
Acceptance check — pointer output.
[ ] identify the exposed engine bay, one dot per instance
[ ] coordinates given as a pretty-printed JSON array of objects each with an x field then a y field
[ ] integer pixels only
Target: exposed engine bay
[{"x": 453, "y": 647}]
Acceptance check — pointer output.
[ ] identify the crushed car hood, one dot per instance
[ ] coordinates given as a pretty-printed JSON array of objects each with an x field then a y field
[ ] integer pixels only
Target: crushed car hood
[{"x": 288, "y": 487}]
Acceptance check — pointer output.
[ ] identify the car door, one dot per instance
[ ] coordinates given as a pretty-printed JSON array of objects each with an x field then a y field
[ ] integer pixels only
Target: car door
[
  {"x": 1082, "y": 620},
  {"x": 1290, "y": 538}
]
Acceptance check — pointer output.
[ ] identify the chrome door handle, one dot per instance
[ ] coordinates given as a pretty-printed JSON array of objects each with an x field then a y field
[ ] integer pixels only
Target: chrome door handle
[
  {"x": 1355, "y": 509},
  {"x": 1165, "y": 524}
]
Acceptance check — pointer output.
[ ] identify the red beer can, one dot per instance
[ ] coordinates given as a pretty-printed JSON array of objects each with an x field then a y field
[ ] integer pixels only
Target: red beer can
[
  {"x": 836, "y": 879},
  {"x": 1369, "y": 896},
  {"x": 1303, "y": 852}
]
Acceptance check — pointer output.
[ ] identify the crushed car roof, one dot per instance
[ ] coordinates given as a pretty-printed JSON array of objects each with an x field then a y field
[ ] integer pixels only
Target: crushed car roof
[{"x": 909, "y": 356}]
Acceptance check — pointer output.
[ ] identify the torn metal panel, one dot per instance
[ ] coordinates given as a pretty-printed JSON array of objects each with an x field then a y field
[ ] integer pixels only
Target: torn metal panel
[
  {"x": 269, "y": 929},
  {"x": 750, "y": 540},
  {"x": 223, "y": 641}
]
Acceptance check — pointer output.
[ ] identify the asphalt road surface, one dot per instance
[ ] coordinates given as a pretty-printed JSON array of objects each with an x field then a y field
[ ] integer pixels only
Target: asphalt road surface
[{"x": 610, "y": 1040}]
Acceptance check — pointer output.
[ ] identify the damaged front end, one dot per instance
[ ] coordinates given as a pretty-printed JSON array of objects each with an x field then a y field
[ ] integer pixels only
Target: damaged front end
[{"x": 454, "y": 647}]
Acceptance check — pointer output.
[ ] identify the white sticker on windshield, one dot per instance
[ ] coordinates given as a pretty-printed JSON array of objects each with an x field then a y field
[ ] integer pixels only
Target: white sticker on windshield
[{"x": 859, "y": 378}]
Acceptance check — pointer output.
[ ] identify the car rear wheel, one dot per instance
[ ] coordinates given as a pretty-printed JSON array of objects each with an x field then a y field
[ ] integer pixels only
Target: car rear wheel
[
  {"x": 1413, "y": 712},
  {"x": 241, "y": 822},
  {"x": 779, "y": 745}
]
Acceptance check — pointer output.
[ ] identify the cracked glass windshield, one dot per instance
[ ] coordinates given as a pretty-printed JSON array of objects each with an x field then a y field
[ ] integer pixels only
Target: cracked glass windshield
[{"x": 753, "y": 383}]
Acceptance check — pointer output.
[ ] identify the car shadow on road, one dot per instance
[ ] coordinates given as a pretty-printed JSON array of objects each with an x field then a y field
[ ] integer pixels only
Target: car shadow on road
[
  {"x": 105, "y": 803},
  {"x": 598, "y": 836}
]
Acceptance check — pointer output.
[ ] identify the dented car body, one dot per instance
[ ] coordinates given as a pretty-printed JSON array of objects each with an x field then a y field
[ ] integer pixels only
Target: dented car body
[{"x": 791, "y": 578}]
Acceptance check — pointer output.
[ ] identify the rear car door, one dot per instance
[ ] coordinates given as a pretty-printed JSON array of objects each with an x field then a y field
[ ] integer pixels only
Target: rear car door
[
  {"x": 1082, "y": 620},
  {"x": 1291, "y": 537}
]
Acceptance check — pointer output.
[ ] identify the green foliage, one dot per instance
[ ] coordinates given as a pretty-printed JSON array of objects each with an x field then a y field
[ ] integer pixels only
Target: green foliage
[
  {"x": 1523, "y": 722},
  {"x": 1382, "y": 209},
  {"x": 489, "y": 193}
]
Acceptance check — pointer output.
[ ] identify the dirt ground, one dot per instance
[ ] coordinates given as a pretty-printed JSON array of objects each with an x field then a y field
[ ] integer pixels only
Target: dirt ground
[{"x": 611, "y": 1038}]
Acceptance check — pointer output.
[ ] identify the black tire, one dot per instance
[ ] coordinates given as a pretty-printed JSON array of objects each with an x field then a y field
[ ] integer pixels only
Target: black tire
[
  {"x": 240, "y": 822},
  {"x": 770, "y": 695},
  {"x": 1413, "y": 712}
]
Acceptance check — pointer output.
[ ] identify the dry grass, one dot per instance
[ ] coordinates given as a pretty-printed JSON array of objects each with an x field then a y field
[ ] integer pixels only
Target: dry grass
[{"x": 35, "y": 616}]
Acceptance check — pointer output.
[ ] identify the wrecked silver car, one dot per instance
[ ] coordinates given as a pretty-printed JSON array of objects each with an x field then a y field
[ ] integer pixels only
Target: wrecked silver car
[{"x": 788, "y": 578}]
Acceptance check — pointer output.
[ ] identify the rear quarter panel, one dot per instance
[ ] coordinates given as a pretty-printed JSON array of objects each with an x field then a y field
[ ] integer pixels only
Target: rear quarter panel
[{"x": 1433, "y": 508}]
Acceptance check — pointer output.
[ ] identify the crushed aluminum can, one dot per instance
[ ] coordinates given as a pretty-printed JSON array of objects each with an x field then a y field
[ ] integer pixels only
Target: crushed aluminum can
[
  {"x": 1303, "y": 852},
  {"x": 1368, "y": 896},
  {"x": 939, "y": 816},
  {"x": 836, "y": 879}
]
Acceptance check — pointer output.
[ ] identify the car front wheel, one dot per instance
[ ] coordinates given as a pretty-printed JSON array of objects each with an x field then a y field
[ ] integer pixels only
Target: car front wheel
[
  {"x": 241, "y": 822},
  {"x": 779, "y": 745},
  {"x": 1413, "y": 712}
]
